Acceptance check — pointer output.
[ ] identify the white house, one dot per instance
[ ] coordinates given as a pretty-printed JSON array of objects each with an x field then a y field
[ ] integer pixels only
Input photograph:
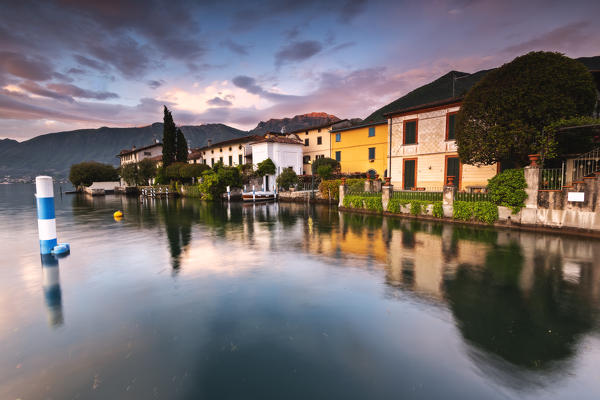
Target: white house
[
  {"x": 134, "y": 155},
  {"x": 284, "y": 151}
]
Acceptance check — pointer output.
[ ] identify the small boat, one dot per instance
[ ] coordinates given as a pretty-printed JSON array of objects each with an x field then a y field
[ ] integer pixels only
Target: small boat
[{"x": 258, "y": 196}]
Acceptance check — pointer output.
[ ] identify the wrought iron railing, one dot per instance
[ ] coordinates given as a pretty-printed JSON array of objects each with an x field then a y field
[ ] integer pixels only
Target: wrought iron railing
[
  {"x": 418, "y": 195},
  {"x": 586, "y": 164},
  {"x": 466, "y": 196},
  {"x": 552, "y": 178}
]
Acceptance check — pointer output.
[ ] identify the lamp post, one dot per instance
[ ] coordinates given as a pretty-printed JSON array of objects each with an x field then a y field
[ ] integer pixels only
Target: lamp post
[{"x": 312, "y": 181}]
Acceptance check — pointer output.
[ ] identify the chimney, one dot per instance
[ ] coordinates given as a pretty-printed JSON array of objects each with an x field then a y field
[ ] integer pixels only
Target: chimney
[
  {"x": 209, "y": 142},
  {"x": 133, "y": 147}
]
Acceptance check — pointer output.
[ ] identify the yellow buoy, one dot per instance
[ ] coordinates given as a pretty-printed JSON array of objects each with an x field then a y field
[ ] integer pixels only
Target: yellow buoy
[{"x": 118, "y": 214}]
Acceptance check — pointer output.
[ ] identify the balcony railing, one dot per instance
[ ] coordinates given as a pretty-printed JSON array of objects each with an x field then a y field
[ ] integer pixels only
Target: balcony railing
[{"x": 586, "y": 165}]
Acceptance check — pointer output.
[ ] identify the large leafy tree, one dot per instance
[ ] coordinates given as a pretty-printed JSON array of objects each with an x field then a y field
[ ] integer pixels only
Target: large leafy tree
[
  {"x": 181, "y": 153},
  {"x": 503, "y": 117},
  {"x": 88, "y": 172},
  {"x": 169, "y": 139}
]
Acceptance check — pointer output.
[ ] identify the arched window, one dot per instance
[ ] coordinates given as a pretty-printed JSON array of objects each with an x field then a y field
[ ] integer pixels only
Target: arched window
[{"x": 371, "y": 173}]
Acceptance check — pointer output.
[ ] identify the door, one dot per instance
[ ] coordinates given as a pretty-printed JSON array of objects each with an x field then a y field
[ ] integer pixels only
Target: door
[
  {"x": 453, "y": 170},
  {"x": 410, "y": 174}
]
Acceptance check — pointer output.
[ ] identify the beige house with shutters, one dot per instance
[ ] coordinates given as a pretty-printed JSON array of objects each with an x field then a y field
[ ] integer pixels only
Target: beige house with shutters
[
  {"x": 230, "y": 152},
  {"x": 317, "y": 142},
  {"x": 423, "y": 153}
]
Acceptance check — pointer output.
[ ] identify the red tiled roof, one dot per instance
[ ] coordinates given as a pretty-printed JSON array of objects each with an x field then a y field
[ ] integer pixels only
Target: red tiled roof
[
  {"x": 123, "y": 152},
  {"x": 279, "y": 139}
]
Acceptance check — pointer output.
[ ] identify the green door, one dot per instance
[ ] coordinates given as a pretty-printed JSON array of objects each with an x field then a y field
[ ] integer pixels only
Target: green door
[
  {"x": 453, "y": 169},
  {"x": 409, "y": 174}
]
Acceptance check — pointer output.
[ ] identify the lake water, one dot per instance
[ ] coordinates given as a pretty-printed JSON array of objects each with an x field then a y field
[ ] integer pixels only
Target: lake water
[{"x": 187, "y": 300}]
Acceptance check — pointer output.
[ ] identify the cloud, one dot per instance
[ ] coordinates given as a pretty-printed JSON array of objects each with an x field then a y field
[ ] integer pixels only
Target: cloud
[
  {"x": 570, "y": 37},
  {"x": 33, "y": 68},
  {"x": 236, "y": 47},
  {"x": 76, "y": 71},
  {"x": 75, "y": 91},
  {"x": 297, "y": 51},
  {"x": 88, "y": 62},
  {"x": 351, "y": 9},
  {"x": 154, "y": 84},
  {"x": 251, "y": 86},
  {"x": 219, "y": 102},
  {"x": 34, "y": 88}
]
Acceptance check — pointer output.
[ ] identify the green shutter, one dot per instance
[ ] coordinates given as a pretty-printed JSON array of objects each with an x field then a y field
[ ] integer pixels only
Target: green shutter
[
  {"x": 410, "y": 132},
  {"x": 409, "y": 174},
  {"x": 451, "y": 126}
]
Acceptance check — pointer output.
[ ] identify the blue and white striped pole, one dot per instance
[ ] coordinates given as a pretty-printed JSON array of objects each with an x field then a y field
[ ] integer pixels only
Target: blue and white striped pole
[{"x": 44, "y": 193}]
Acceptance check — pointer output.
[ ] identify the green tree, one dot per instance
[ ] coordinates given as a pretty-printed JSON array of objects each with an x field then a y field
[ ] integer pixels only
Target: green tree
[
  {"x": 169, "y": 139},
  {"x": 504, "y": 115},
  {"x": 181, "y": 153},
  {"x": 173, "y": 171},
  {"x": 335, "y": 166},
  {"x": 325, "y": 171},
  {"x": 88, "y": 172},
  {"x": 266, "y": 167},
  {"x": 190, "y": 171},
  {"x": 287, "y": 178},
  {"x": 146, "y": 171},
  {"x": 129, "y": 173}
]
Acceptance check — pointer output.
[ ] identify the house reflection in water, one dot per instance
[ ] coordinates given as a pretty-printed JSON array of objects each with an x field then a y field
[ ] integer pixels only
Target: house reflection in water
[
  {"x": 51, "y": 288},
  {"x": 525, "y": 299}
]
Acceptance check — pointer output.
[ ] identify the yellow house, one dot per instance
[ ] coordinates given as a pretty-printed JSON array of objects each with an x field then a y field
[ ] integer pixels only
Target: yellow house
[
  {"x": 317, "y": 143},
  {"x": 361, "y": 148}
]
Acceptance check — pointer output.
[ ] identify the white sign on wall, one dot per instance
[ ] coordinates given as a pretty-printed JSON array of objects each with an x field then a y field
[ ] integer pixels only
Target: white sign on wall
[{"x": 576, "y": 196}]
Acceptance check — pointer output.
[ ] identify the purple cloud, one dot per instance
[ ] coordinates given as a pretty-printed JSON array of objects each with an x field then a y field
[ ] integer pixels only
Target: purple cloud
[{"x": 297, "y": 51}]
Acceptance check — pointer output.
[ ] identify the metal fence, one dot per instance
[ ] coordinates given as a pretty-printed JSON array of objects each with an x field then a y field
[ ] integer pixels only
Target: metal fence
[
  {"x": 586, "y": 165},
  {"x": 465, "y": 196},
  {"x": 363, "y": 193},
  {"x": 552, "y": 178},
  {"x": 417, "y": 195}
]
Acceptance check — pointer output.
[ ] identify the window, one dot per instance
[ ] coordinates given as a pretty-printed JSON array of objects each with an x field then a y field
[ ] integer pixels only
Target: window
[
  {"x": 204, "y": 161},
  {"x": 306, "y": 142},
  {"x": 371, "y": 131},
  {"x": 240, "y": 147},
  {"x": 240, "y": 161},
  {"x": 410, "y": 132},
  {"x": 147, "y": 153},
  {"x": 319, "y": 130},
  {"x": 212, "y": 151},
  {"x": 230, "y": 149},
  {"x": 319, "y": 156},
  {"x": 338, "y": 156},
  {"x": 305, "y": 159},
  {"x": 230, "y": 161},
  {"x": 221, "y": 159},
  {"x": 451, "y": 126},
  {"x": 306, "y": 132},
  {"x": 371, "y": 153},
  {"x": 319, "y": 140},
  {"x": 338, "y": 137},
  {"x": 212, "y": 162}
]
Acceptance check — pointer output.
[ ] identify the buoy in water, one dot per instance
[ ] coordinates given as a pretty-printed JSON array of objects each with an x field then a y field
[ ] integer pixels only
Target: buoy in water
[{"x": 118, "y": 214}]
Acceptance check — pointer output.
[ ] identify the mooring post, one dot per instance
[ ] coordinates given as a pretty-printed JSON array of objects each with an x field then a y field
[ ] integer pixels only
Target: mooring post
[
  {"x": 253, "y": 194},
  {"x": 228, "y": 193},
  {"x": 44, "y": 194}
]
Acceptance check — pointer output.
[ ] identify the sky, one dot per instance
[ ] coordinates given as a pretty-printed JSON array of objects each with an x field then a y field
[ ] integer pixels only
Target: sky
[{"x": 75, "y": 64}]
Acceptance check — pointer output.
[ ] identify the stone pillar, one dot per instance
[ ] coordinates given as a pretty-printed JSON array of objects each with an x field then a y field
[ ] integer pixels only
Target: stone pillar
[
  {"x": 368, "y": 185},
  {"x": 532, "y": 177},
  {"x": 386, "y": 194},
  {"x": 343, "y": 189},
  {"x": 448, "y": 200}
]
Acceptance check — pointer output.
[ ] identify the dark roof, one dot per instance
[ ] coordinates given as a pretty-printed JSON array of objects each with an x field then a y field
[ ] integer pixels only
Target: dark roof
[
  {"x": 278, "y": 139},
  {"x": 124, "y": 152},
  {"x": 438, "y": 90},
  {"x": 440, "y": 103},
  {"x": 592, "y": 63},
  {"x": 242, "y": 139},
  {"x": 361, "y": 125},
  {"x": 310, "y": 128}
]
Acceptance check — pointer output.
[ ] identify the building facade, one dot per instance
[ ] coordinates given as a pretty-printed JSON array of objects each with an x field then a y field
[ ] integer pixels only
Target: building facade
[
  {"x": 231, "y": 152},
  {"x": 284, "y": 151},
  {"x": 138, "y": 154},
  {"x": 317, "y": 143},
  {"x": 423, "y": 151},
  {"x": 361, "y": 148}
]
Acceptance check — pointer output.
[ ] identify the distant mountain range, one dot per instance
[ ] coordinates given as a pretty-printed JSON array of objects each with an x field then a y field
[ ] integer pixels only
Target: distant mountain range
[
  {"x": 54, "y": 153},
  {"x": 295, "y": 123}
]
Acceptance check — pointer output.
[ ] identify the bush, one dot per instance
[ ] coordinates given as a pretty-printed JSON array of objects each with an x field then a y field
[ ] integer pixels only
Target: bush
[
  {"x": 229, "y": 176},
  {"x": 88, "y": 172},
  {"x": 372, "y": 203},
  {"x": 438, "y": 209},
  {"x": 508, "y": 189},
  {"x": 416, "y": 207},
  {"x": 395, "y": 205},
  {"x": 174, "y": 170},
  {"x": 189, "y": 171},
  {"x": 266, "y": 167},
  {"x": 483, "y": 211},
  {"x": 325, "y": 171},
  {"x": 332, "y": 187},
  {"x": 138, "y": 173},
  {"x": 209, "y": 185},
  {"x": 325, "y": 161},
  {"x": 287, "y": 178},
  {"x": 247, "y": 172}
]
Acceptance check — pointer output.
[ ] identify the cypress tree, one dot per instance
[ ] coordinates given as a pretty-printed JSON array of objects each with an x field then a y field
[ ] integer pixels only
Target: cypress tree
[
  {"x": 182, "y": 147},
  {"x": 169, "y": 139}
]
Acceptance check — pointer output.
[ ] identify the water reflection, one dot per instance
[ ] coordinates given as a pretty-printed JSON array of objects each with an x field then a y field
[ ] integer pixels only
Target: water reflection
[{"x": 52, "y": 292}]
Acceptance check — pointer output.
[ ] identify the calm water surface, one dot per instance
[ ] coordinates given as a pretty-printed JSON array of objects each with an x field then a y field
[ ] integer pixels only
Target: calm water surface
[{"x": 187, "y": 300}]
